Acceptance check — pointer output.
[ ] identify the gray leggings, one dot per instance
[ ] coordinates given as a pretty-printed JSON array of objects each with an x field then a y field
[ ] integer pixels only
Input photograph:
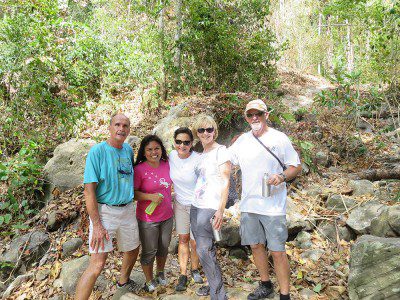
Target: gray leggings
[
  {"x": 155, "y": 238},
  {"x": 205, "y": 248}
]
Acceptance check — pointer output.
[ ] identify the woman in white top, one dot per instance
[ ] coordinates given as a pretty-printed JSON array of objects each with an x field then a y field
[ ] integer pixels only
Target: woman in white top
[
  {"x": 182, "y": 163},
  {"x": 211, "y": 194}
]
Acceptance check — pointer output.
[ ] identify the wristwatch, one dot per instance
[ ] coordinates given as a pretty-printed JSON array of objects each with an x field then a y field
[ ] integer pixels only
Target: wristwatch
[{"x": 283, "y": 176}]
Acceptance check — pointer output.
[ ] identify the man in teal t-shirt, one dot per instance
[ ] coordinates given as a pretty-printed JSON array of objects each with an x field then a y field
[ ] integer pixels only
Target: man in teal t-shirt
[{"x": 108, "y": 193}]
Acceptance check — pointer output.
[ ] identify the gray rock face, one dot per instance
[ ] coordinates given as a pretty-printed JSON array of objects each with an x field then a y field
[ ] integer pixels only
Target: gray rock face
[
  {"x": 71, "y": 246},
  {"x": 166, "y": 127},
  {"x": 328, "y": 230},
  {"x": 65, "y": 169},
  {"x": 296, "y": 222},
  {"x": 71, "y": 272},
  {"x": 53, "y": 223},
  {"x": 35, "y": 243},
  {"x": 361, "y": 187},
  {"x": 361, "y": 217},
  {"x": 303, "y": 240},
  {"x": 230, "y": 234},
  {"x": 322, "y": 158},
  {"x": 380, "y": 226},
  {"x": 173, "y": 245},
  {"x": 339, "y": 203},
  {"x": 394, "y": 218},
  {"x": 313, "y": 254},
  {"x": 375, "y": 268}
]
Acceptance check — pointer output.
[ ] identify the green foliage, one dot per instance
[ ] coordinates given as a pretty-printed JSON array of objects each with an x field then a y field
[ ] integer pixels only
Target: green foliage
[
  {"x": 227, "y": 46},
  {"x": 306, "y": 151},
  {"x": 19, "y": 177}
]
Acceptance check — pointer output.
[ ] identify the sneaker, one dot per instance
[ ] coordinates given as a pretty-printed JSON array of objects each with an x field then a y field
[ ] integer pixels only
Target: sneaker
[
  {"x": 196, "y": 276},
  {"x": 203, "y": 291},
  {"x": 182, "y": 283},
  {"x": 150, "y": 286},
  {"x": 261, "y": 292},
  {"x": 160, "y": 278},
  {"x": 130, "y": 285}
]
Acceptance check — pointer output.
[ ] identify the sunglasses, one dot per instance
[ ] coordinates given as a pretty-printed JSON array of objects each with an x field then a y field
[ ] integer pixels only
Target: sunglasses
[
  {"x": 186, "y": 143},
  {"x": 258, "y": 114},
  {"x": 209, "y": 130}
]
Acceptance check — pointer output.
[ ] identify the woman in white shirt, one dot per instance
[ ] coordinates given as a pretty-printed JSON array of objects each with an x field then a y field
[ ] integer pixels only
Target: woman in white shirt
[
  {"x": 211, "y": 194},
  {"x": 182, "y": 163}
]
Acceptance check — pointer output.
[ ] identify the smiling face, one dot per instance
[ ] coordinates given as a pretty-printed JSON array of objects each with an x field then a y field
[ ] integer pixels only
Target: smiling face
[
  {"x": 257, "y": 120},
  {"x": 206, "y": 134},
  {"x": 180, "y": 145},
  {"x": 152, "y": 152},
  {"x": 119, "y": 130}
]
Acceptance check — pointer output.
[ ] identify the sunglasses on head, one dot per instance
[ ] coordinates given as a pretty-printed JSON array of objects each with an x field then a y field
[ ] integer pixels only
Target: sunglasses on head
[
  {"x": 209, "y": 130},
  {"x": 186, "y": 143},
  {"x": 258, "y": 114}
]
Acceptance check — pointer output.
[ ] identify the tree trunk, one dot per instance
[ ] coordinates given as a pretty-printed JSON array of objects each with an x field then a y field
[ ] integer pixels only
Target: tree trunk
[
  {"x": 163, "y": 87},
  {"x": 178, "y": 33}
]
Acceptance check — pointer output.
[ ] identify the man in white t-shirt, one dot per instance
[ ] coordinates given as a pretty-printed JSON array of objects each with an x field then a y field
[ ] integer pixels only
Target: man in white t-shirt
[{"x": 263, "y": 219}]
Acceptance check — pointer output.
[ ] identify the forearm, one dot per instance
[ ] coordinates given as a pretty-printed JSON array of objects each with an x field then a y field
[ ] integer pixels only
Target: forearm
[
  {"x": 224, "y": 194},
  {"x": 91, "y": 203},
  {"x": 141, "y": 196},
  {"x": 292, "y": 171}
]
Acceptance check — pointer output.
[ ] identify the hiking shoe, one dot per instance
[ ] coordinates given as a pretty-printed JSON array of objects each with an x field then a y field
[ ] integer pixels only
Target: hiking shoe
[
  {"x": 261, "y": 292},
  {"x": 150, "y": 286},
  {"x": 160, "y": 278},
  {"x": 196, "y": 276},
  {"x": 130, "y": 285},
  {"x": 182, "y": 283},
  {"x": 203, "y": 291}
]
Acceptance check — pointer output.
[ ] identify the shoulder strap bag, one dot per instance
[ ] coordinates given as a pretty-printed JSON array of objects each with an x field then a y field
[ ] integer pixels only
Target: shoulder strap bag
[{"x": 288, "y": 182}]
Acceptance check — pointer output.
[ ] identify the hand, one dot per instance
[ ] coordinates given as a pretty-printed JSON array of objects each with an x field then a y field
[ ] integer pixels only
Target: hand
[
  {"x": 157, "y": 198},
  {"x": 98, "y": 235},
  {"x": 218, "y": 218},
  {"x": 275, "y": 179}
]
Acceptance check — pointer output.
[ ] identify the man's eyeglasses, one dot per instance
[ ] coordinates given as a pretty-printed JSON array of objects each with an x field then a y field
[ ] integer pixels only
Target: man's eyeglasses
[
  {"x": 251, "y": 115},
  {"x": 186, "y": 143},
  {"x": 209, "y": 130}
]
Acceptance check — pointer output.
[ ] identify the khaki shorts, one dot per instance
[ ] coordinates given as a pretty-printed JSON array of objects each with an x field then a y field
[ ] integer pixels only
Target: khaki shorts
[
  {"x": 182, "y": 219},
  {"x": 121, "y": 224}
]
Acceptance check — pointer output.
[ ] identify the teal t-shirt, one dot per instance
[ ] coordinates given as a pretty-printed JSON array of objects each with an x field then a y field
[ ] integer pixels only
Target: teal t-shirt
[{"x": 112, "y": 169}]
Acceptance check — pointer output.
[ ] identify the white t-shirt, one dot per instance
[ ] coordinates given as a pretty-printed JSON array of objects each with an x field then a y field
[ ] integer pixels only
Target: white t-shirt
[
  {"x": 254, "y": 160},
  {"x": 209, "y": 183},
  {"x": 182, "y": 173}
]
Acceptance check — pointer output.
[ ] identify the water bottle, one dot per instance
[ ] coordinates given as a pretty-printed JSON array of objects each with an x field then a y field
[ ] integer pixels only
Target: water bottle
[
  {"x": 216, "y": 232},
  {"x": 266, "y": 187},
  {"x": 152, "y": 206}
]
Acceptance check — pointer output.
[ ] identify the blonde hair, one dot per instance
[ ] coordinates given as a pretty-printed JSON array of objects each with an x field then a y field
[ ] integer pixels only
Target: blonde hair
[{"x": 203, "y": 121}]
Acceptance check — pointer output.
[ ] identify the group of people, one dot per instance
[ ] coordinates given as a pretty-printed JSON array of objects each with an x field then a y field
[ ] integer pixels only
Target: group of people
[{"x": 114, "y": 181}]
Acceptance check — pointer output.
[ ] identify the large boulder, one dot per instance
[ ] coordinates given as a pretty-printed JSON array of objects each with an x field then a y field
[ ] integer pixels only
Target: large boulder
[
  {"x": 361, "y": 217},
  {"x": 387, "y": 223},
  {"x": 71, "y": 272},
  {"x": 25, "y": 251},
  {"x": 230, "y": 233},
  {"x": 374, "y": 268},
  {"x": 295, "y": 220},
  {"x": 330, "y": 231},
  {"x": 361, "y": 187},
  {"x": 65, "y": 169},
  {"x": 339, "y": 203}
]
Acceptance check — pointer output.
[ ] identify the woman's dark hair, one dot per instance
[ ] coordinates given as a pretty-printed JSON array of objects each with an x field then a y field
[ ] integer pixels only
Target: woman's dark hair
[
  {"x": 145, "y": 141},
  {"x": 187, "y": 131},
  {"x": 183, "y": 130}
]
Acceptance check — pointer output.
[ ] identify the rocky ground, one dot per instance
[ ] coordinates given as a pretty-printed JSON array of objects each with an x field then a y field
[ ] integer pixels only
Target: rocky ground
[{"x": 343, "y": 212}]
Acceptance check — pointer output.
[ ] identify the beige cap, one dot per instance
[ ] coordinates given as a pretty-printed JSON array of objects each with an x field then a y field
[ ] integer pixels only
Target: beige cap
[{"x": 256, "y": 104}]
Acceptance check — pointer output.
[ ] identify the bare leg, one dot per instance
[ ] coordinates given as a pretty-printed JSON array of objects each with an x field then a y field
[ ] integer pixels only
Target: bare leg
[
  {"x": 89, "y": 277},
  {"x": 160, "y": 261},
  {"x": 282, "y": 270},
  {"x": 148, "y": 272},
  {"x": 194, "y": 258},
  {"x": 183, "y": 252},
  {"x": 128, "y": 262},
  {"x": 261, "y": 260}
]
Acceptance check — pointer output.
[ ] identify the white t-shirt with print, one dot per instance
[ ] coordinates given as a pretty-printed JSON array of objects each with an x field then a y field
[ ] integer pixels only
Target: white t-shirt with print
[
  {"x": 182, "y": 173},
  {"x": 254, "y": 161},
  {"x": 209, "y": 183}
]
